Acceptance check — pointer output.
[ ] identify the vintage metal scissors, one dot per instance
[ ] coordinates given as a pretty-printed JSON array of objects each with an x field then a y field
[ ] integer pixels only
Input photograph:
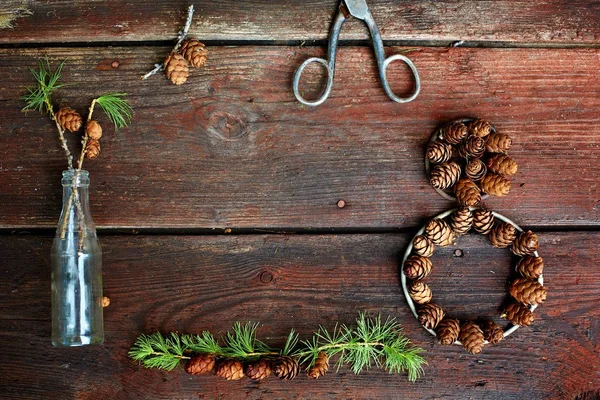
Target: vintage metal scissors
[{"x": 357, "y": 9}]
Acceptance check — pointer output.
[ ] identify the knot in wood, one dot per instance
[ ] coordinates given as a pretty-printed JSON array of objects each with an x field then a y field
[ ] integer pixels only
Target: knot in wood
[{"x": 228, "y": 126}]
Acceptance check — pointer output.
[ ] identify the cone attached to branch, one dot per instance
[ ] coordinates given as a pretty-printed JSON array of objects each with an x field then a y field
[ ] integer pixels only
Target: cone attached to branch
[
  {"x": 194, "y": 52},
  {"x": 286, "y": 368},
  {"x": 444, "y": 175},
  {"x": 467, "y": 193},
  {"x": 528, "y": 291},
  {"x": 502, "y": 164},
  {"x": 497, "y": 143},
  {"x": 526, "y": 244},
  {"x": 492, "y": 332},
  {"x": 483, "y": 220},
  {"x": 439, "y": 232},
  {"x": 69, "y": 119},
  {"x": 423, "y": 246},
  {"x": 518, "y": 314},
  {"x": 455, "y": 132},
  {"x": 92, "y": 149},
  {"x": 176, "y": 68},
  {"x": 93, "y": 130},
  {"x": 320, "y": 366},
  {"x": 503, "y": 235},
  {"x": 258, "y": 370},
  {"x": 475, "y": 169},
  {"x": 438, "y": 152},
  {"x": 232, "y": 370},
  {"x": 200, "y": 364},
  {"x": 495, "y": 185},
  {"x": 420, "y": 292},
  {"x": 471, "y": 337},
  {"x": 447, "y": 331},
  {"x": 461, "y": 221},
  {"x": 480, "y": 128},
  {"x": 417, "y": 267},
  {"x": 530, "y": 267},
  {"x": 430, "y": 315}
]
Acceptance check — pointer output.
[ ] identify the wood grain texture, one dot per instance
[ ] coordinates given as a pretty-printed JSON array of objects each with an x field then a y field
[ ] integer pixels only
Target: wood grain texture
[
  {"x": 233, "y": 148},
  {"x": 188, "y": 284},
  {"x": 565, "y": 22}
]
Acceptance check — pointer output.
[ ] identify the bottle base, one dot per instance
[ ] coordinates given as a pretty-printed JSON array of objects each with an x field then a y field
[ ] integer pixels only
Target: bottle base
[{"x": 77, "y": 341}]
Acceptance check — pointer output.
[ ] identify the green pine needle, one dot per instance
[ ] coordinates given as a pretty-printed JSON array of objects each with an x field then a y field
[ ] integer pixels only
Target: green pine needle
[
  {"x": 203, "y": 343},
  {"x": 156, "y": 351},
  {"x": 39, "y": 97},
  {"x": 116, "y": 109},
  {"x": 242, "y": 342},
  {"x": 290, "y": 343}
]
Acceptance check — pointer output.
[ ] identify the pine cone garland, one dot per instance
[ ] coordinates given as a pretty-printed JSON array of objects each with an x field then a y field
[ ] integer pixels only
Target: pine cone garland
[
  {"x": 480, "y": 128},
  {"x": 495, "y": 185},
  {"x": 69, "y": 119},
  {"x": 200, "y": 364},
  {"x": 483, "y": 220},
  {"x": 194, "y": 52},
  {"x": 461, "y": 221},
  {"x": 471, "y": 337},
  {"x": 528, "y": 291},
  {"x": 92, "y": 149},
  {"x": 447, "y": 331},
  {"x": 497, "y": 143},
  {"x": 258, "y": 370},
  {"x": 454, "y": 133},
  {"x": 423, "y": 246},
  {"x": 439, "y": 232},
  {"x": 475, "y": 169},
  {"x": 492, "y": 332},
  {"x": 526, "y": 244},
  {"x": 502, "y": 164},
  {"x": 93, "y": 130},
  {"x": 530, "y": 267},
  {"x": 286, "y": 368},
  {"x": 232, "y": 370},
  {"x": 502, "y": 235},
  {"x": 444, "y": 175},
  {"x": 430, "y": 315},
  {"x": 467, "y": 193},
  {"x": 518, "y": 314},
  {"x": 417, "y": 267},
  {"x": 438, "y": 152},
  {"x": 320, "y": 366},
  {"x": 176, "y": 68},
  {"x": 420, "y": 292},
  {"x": 473, "y": 147}
]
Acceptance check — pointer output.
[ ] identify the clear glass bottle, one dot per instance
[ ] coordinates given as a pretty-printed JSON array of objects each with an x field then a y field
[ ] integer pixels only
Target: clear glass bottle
[{"x": 76, "y": 269}]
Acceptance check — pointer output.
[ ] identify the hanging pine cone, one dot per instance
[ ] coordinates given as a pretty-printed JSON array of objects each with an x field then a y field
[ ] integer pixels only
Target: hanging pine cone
[
  {"x": 502, "y": 164},
  {"x": 194, "y": 52},
  {"x": 232, "y": 370},
  {"x": 454, "y": 133},
  {"x": 176, "y": 68},
  {"x": 430, "y": 315},
  {"x": 258, "y": 370},
  {"x": 497, "y": 143},
  {"x": 447, "y": 331},
  {"x": 467, "y": 193},
  {"x": 423, "y": 246},
  {"x": 518, "y": 314},
  {"x": 93, "y": 130},
  {"x": 492, "y": 332},
  {"x": 483, "y": 220},
  {"x": 439, "y": 232},
  {"x": 471, "y": 337},
  {"x": 480, "y": 128},
  {"x": 286, "y": 368},
  {"x": 92, "y": 150},
  {"x": 438, "y": 152},
  {"x": 528, "y": 291},
  {"x": 475, "y": 169},
  {"x": 495, "y": 185},
  {"x": 420, "y": 292},
  {"x": 200, "y": 364},
  {"x": 444, "y": 175},
  {"x": 530, "y": 267},
  {"x": 417, "y": 267},
  {"x": 69, "y": 119},
  {"x": 320, "y": 366},
  {"x": 473, "y": 147},
  {"x": 461, "y": 221},
  {"x": 502, "y": 235},
  {"x": 526, "y": 244}
]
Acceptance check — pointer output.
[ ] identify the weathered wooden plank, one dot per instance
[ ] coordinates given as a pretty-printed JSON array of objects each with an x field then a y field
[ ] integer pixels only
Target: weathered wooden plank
[
  {"x": 190, "y": 283},
  {"x": 551, "y": 21},
  {"x": 233, "y": 148}
]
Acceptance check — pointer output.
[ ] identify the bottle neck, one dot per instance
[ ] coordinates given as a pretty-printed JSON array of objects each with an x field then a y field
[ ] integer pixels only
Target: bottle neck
[{"x": 76, "y": 216}]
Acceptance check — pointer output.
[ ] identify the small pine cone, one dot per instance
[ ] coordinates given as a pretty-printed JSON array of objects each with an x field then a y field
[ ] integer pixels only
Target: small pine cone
[
  {"x": 455, "y": 133},
  {"x": 439, "y": 232},
  {"x": 286, "y": 368},
  {"x": 518, "y": 314},
  {"x": 320, "y": 366},
  {"x": 502, "y": 235},
  {"x": 461, "y": 221},
  {"x": 69, "y": 119},
  {"x": 423, "y": 246},
  {"x": 232, "y": 370},
  {"x": 430, "y": 315},
  {"x": 526, "y": 244},
  {"x": 444, "y": 175},
  {"x": 467, "y": 193},
  {"x": 93, "y": 130},
  {"x": 176, "y": 68},
  {"x": 471, "y": 337},
  {"x": 420, "y": 292},
  {"x": 528, "y": 291},
  {"x": 447, "y": 331},
  {"x": 492, "y": 332},
  {"x": 502, "y": 164},
  {"x": 530, "y": 267},
  {"x": 483, "y": 220},
  {"x": 258, "y": 370},
  {"x": 92, "y": 149},
  {"x": 417, "y": 267},
  {"x": 480, "y": 128},
  {"x": 194, "y": 52},
  {"x": 495, "y": 185},
  {"x": 475, "y": 169},
  {"x": 200, "y": 364},
  {"x": 497, "y": 143},
  {"x": 438, "y": 152},
  {"x": 473, "y": 147}
]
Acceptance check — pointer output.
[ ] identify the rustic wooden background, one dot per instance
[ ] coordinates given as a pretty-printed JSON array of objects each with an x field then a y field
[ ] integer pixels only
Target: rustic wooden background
[{"x": 219, "y": 202}]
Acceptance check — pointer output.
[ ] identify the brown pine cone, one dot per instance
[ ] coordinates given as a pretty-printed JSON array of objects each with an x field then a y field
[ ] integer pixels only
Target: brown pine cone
[
  {"x": 492, "y": 332},
  {"x": 286, "y": 368},
  {"x": 480, "y": 128},
  {"x": 518, "y": 314},
  {"x": 176, "y": 68},
  {"x": 475, "y": 169},
  {"x": 473, "y": 147},
  {"x": 439, "y": 232},
  {"x": 483, "y": 220},
  {"x": 502, "y": 164},
  {"x": 69, "y": 119},
  {"x": 495, "y": 185},
  {"x": 194, "y": 52},
  {"x": 420, "y": 292},
  {"x": 497, "y": 143},
  {"x": 444, "y": 175},
  {"x": 471, "y": 337},
  {"x": 526, "y": 244},
  {"x": 502, "y": 235},
  {"x": 320, "y": 366},
  {"x": 232, "y": 370},
  {"x": 461, "y": 221},
  {"x": 528, "y": 291},
  {"x": 467, "y": 193},
  {"x": 92, "y": 150},
  {"x": 200, "y": 364},
  {"x": 447, "y": 331},
  {"x": 417, "y": 267},
  {"x": 430, "y": 315},
  {"x": 258, "y": 370},
  {"x": 423, "y": 246},
  {"x": 454, "y": 133},
  {"x": 93, "y": 130},
  {"x": 438, "y": 152},
  {"x": 530, "y": 267}
]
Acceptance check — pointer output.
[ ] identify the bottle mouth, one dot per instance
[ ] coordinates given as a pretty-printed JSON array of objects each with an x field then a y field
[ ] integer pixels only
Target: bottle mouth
[{"x": 74, "y": 177}]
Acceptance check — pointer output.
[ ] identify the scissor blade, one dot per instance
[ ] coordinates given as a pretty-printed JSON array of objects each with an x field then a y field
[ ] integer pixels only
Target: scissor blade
[{"x": 357, "y": 8}]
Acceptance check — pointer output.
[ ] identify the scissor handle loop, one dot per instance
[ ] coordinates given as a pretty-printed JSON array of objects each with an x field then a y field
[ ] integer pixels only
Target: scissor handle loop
[
  {"x": 298, "y": 74},
  {"x": 415, "y": 74}
]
